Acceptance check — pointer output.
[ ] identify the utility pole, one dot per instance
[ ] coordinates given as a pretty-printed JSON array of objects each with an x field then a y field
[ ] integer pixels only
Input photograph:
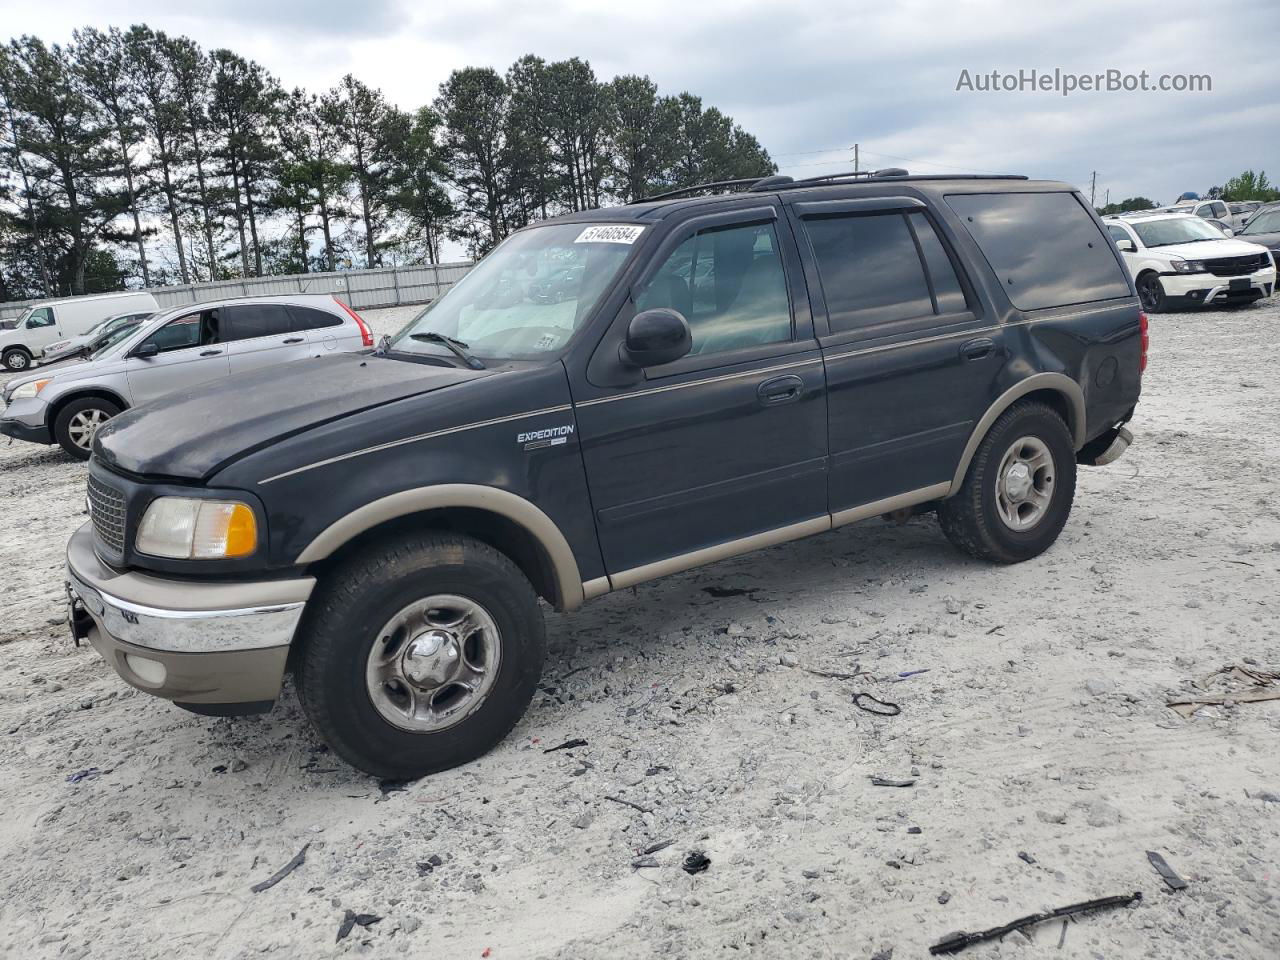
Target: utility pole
[
  {"x": 1093, "y": 188},
  {"x": 1108, "y": 196},
  {"x": 855, "y": 158}
]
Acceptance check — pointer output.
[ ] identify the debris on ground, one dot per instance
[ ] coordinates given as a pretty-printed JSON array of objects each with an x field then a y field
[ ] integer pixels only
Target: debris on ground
[
  {"x": 905, "y": 674},
  {"x": 92, "y": 773},
  {"x": 955, "y": 942},
  {"x": 721, "y": 592},
  {"x": 1026, "y": 857},
  {"x": 888, "y": 782},
  {"x": 1167, "y": 873},
  {"x": 567, "y": 745},
  {"x": 351, "y": 920},
  {"x": 628, "y": 803},
  {"x": 882, "y": 708},
  {"x": 1228, "y": 686},
  {"x": 655, "y": 847},
  {"x": 389, "y": 787},
  {"x": 298, "y": 859},
  {"x": 429, "y": 864},
  {"x": 695, "y": 862}
]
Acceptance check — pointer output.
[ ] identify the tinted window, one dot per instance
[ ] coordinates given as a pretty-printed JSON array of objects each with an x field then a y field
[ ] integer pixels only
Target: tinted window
[
  {"x": 255, "y": 320},
  {"x": 947, "y": 292},
  {"x": 1044, "y": 247},
  {"x": 42, "y": 317},
  {"x": 870, "y": 269},
  {"x": 729, "y": 285},
  {"x": 1117, "y": 233},
  {"x": 308, "y": 318}
]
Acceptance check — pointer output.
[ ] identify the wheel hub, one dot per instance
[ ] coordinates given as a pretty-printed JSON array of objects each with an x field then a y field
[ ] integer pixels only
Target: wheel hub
[
  {"x": 1017, "y": 482},
  {"x": 431, "y": 659}
]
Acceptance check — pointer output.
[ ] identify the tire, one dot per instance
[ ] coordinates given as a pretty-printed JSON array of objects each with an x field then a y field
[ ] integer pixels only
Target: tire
[
  {"x": 77, "y": 422},
  {"x": 980, "y": 518},
  {"x": 354, "y": 609},
  {"x": 1151, "y": 293},
  {"x": 16, "y": 358}
]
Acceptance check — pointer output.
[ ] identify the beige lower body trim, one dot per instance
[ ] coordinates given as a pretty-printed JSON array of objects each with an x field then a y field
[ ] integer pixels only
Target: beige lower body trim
[
  {"x": 732, "y": 548},
  {"x": 876, "y": 508},
  {"x": 721, "y": 551}
]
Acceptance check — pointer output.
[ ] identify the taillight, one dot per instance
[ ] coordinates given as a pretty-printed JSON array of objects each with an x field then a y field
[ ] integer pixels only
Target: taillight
[
  {"x": 1146, "y": 342},
  {"x": 366, "y": 335}
]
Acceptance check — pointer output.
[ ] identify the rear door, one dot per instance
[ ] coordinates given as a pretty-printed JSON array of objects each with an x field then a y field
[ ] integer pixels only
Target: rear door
[
  {"x": 910, "y": 360},
  {"x": 191, "y": 352},
  {"x": 261, "y": 335}
]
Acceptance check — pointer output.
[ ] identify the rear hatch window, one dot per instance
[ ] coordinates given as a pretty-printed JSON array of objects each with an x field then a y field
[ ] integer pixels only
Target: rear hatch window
[{"x": 1044, "y": 247}]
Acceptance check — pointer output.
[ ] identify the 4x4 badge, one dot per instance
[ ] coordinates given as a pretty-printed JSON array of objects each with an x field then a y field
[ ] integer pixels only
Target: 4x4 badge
[{"x": 550, "y": 437}]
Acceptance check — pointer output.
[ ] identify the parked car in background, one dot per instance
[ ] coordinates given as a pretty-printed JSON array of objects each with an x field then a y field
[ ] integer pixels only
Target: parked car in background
[
  {"x": 1241, "y": 211},
  {"x": 1264, "y": 228},
  {"x": 54, "y": 321},
  {"x": 172, "y": 352},
  {"x": 1177, "y": 260},
  {"x": 95, "y": 337},
  {"x": 1223, "y": 224},
  {"x": 385, "y": 524}
]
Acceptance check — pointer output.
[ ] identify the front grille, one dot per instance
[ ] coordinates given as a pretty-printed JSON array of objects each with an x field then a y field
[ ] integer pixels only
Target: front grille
[
  {"x": 1237, "y": 266},
  {"x": 106, "y": 508}
]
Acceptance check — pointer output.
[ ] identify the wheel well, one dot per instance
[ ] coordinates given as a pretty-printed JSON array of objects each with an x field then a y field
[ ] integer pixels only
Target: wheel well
[
  {"x": 497, "y": 531},
  {"x": 16, "y": 346},
  {"x": 59, "y": 404},
  {"x": 1056, "y": 401}
]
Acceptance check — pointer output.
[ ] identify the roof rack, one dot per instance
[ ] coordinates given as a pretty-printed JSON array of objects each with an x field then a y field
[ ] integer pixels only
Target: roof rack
[{"x": 763, "y": 184}]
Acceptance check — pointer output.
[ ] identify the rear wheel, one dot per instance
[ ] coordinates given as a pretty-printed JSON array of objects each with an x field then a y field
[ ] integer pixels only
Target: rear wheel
[
  {"x": 1151, "y": 293},
  {"x": 78, "y": 421},
  {"x": 16, "y": 358},
  {"x": 420, "y": 654},
  {"x": 1017, "y": 495}
]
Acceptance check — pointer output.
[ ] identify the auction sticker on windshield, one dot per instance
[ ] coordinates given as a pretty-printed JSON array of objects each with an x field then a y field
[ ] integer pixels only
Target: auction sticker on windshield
[{"x": 610, "y": 234}]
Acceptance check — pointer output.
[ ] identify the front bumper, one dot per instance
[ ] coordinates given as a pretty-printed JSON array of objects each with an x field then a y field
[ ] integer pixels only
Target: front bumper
[
  {"x": 1202, "y": 289},
  {"x": 27, "y": 420},
  {"x": 214, "y": 647}
]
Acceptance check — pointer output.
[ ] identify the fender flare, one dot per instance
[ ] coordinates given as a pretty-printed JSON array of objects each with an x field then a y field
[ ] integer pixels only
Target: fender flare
[
  {"x": 1057, "y": 382},
  {"x": 458, "y": 495}
]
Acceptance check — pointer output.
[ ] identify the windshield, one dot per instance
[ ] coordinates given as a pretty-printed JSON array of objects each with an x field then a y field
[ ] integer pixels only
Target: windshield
[
  {"x": 109, "y": 340},
  {"x": 1180, "y": 229},
  {"x": 527, "y": 297},
  {"x": 1266, "y": 222}
]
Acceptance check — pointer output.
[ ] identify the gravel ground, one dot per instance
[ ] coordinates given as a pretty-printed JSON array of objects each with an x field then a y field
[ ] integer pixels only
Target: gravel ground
[{"x": 1045, "y": 760}]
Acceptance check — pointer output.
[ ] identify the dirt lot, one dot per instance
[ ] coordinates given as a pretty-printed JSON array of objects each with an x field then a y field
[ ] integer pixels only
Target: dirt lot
[{"x": 1045, "y": 761}]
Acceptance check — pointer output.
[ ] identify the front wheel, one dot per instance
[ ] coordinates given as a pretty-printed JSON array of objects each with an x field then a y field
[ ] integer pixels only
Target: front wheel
[
  {"x": 1151, "y": 293},
  {"x": 1017, "y": 495},
  {"x": 420, "y": 654},
  {"x": 78, "y": 421},
  {"x": 16, "y": 358}
]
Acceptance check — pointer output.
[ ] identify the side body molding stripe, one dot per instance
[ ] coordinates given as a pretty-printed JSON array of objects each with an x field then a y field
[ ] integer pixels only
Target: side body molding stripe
[
  {"x": 1058, "y": 382},
  {"x": 442, "y": 496}
]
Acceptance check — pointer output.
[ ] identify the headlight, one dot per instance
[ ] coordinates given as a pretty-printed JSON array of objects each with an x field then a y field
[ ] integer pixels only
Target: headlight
[
  {"x": 28, "y": 390},
  {"x": 187, "y": 529},
  {"x": 1188, "y": 266}
]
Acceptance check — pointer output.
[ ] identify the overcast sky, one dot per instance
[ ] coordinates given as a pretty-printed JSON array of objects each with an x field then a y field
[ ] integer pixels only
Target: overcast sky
[{"x": 812, "y": 78}]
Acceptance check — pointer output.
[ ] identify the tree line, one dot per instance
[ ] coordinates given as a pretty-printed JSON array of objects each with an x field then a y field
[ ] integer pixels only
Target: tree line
[{"x": 133, "y": 156}]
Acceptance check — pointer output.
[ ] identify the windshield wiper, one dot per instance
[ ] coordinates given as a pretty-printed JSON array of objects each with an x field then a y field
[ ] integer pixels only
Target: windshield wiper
[{"x": 457, "y": 346}]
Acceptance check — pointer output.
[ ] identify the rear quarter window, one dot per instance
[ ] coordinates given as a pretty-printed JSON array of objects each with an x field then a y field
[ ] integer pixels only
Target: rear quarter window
[{"x": 1044, "y": 248}]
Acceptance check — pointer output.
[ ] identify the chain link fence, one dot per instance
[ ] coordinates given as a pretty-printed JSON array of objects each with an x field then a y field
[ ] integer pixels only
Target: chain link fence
[{"x": 361, "y": 289}]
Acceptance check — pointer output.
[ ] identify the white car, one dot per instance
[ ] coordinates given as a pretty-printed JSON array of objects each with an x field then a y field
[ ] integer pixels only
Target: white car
[
  {"x": 54, "y": 321},
  {"x": 1177, "y": 260}
]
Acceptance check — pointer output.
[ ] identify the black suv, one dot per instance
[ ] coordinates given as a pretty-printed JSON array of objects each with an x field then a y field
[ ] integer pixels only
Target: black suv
[{"x": 725, "y": 372}]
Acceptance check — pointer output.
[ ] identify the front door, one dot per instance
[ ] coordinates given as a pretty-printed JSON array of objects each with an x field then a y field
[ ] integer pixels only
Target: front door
[
  {"x": 191, "y": 352},
  {"x": 910, "y": 365},
  {"x": 728, "y": 442}
]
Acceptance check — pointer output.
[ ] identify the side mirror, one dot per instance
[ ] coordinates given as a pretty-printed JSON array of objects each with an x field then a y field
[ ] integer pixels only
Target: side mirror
[
  {"x": 1126, "y": 246},
  {"x": 1228, "y": 231},
  {"x": 655, "y": 337},
  {"x": 146, "y": 350}
]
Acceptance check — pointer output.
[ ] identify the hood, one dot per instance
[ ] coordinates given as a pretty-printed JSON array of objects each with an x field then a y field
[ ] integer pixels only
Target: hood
[
  {"x": 191, "y": 434},
  {"x": 1211, "y": 249},
  {"x": 1271, "y": 240}
]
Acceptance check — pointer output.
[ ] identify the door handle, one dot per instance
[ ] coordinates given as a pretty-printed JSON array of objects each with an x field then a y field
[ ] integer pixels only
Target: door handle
[
  {"x": 780, "y": 390},
  {"x": 295, "y": 340},
  {"x": 210, "y": 353},
  {"x": 977, "y": 349}
]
